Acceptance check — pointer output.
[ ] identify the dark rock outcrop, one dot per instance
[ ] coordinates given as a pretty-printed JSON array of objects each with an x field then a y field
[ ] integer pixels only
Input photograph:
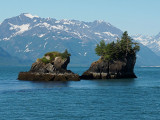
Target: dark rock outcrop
[
  {"x": 54, "y": 70},
  {"x": 102, "y": 69}
]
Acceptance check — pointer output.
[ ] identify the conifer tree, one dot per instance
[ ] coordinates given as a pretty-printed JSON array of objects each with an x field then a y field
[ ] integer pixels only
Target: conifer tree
[
  {"x": 119, "y": 50},
  {"x": 100, "y": 48}
]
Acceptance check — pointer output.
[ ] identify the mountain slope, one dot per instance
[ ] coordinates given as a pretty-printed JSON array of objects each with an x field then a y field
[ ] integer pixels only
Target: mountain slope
[
  {"x": 29, "y": 37},
  {"x": 7, "y": 60},
  {"x": 152, "y": 42}
]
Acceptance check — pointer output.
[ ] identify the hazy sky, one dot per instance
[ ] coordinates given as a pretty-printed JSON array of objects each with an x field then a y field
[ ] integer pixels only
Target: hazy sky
[{"x": 135, "y": 16}]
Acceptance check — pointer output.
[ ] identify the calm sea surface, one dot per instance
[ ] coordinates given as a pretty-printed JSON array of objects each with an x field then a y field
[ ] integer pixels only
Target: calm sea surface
[{"x": 125, "y": 99}]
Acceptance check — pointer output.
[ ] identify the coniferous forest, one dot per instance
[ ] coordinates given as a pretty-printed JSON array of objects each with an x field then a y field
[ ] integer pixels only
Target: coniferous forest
[{"x": 117, "y": 50}]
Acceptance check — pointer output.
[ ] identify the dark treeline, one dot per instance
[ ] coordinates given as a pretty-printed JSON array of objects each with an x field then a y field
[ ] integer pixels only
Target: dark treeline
[{"x": 119, "y": 50}]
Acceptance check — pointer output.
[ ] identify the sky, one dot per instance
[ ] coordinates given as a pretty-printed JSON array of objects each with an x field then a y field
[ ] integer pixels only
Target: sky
[{"x": 134, "y": 16}]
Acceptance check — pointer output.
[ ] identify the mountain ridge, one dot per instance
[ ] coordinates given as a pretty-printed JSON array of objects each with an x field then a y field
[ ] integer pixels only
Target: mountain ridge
[
  {"x": 152, "y": 42},
  {"x": 29, "y": 37}
]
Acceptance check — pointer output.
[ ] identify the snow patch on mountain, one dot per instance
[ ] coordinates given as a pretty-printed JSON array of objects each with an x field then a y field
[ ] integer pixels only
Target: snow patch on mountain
[
  {"x": 45, "y": 44},
  {"x": 30, "y": 16},
  {"x": 28, "y": 44},
  {"x": 110, "y": 34},
  {"x": 145, "y": 40},
  {"x": 58, "y": 21},
  {"x": 28, "y": 50},
  {"x": 27, "y": 47},
  {"x": 41, "y": 35},
  {"x": 19, "y": 28},
  {"x": 68, "y": 22},
  {"x": 151, "y": 42},
  {"x": 58, "y": 27},
  {"x": 6, "y": 38},
  {"x": 85, "y": 53},
  {"x": 97, "y": 33}
]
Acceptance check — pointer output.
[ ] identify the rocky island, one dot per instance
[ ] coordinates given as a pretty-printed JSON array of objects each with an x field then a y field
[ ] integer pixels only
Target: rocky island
[
  {"x": 117, "y": 60},
  {"x": 52, "y": 67}
]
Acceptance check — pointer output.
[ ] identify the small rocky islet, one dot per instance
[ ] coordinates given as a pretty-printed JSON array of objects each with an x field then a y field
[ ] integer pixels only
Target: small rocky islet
[
  {"x": 117, "y": 61},
  {"x": 52, "y": 67},
  {"x": 103, "y": 69}
]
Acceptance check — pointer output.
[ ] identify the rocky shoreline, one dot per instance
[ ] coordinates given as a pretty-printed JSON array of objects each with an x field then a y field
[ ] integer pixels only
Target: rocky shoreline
[{"x": 48, "y": 76}]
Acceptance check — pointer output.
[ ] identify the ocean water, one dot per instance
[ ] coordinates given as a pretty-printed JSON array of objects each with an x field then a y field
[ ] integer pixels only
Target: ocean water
[{"x": 123, "y": 99}]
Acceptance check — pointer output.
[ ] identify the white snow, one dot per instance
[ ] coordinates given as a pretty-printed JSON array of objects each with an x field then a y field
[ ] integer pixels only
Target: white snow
[
  {"x": 28, "y": 50},
  {"x": 138, "y": 38},
  {"x": 41, "y": 35},
  {"x": 85, "y": 53},
  {"x": 49, "y": 27},
  {"x": 77, "y": 34},
  {"x": 30, "y": 16},
  {"x": 110, "y": 34},
  {"x": 6, "y": 38},
  {"x": 59, "y": 27},
  {"x": 45, "y": 44},
  {"x": 19, "y": 28},
  {"x": 46, "y": 24},
  {"x": 79, "y": 53},
  {"x": 97, "y": 33},
  {"x": 85, "y": 36},
  {"x": 43, "y": 25},
  {"x": 158, "y": 42},
  {"x": 28, "y": 44},
  {"x": 68, "y": 22},
  {"x": 57, "y": 21},
  {"x": 85, "y": 26},
  {"x": 145, "y": 40}
]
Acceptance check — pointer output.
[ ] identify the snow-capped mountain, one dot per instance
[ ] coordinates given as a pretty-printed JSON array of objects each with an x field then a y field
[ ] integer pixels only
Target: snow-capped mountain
[
  {"x": 29, "y": 37},
  {"x": 28, "y": 25},
  {"x": 153, "y": 42}
]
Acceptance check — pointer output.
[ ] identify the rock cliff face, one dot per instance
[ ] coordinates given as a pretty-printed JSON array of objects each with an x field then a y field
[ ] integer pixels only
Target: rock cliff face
[
  {"x": 102, "y": 69},
  {"x": 51, "y": 67},
  {"x": 58, "y": 65}
]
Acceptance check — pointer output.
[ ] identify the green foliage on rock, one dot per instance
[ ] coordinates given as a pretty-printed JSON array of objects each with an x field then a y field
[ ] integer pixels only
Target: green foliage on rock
[
  {"x": 50, "y": 56},
  {"x": 44, "y": 60},
  {"x": 65, "y": 54},
  {"x": 118, "y": 50}
]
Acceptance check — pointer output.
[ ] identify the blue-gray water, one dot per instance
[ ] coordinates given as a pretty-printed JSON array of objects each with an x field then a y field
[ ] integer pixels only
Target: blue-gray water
[{"x": 125, "y": 99}]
